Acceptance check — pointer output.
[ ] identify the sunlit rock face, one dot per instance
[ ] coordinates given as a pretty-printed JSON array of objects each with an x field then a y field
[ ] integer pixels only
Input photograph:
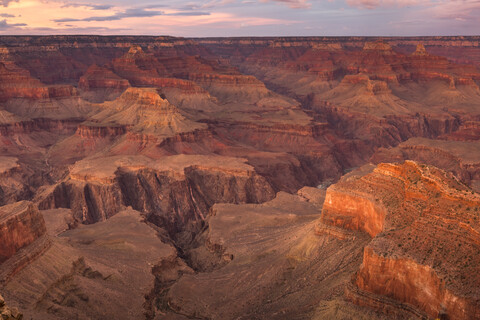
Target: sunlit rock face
[
  {"x": 239, "y": 178},
  {"x": 7, "y": 313},
  {"x": 424, "y": 228}
]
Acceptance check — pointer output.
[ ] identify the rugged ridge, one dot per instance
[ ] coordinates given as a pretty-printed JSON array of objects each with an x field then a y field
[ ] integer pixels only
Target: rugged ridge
[
  {"x": 185, "y": 185},
  {"x": 423, "y": 223}
]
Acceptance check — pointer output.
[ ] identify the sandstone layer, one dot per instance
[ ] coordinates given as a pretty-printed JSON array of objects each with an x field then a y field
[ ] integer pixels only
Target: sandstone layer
[
  {"x": 424, "y": 226},
  {"x": 21, "y": 225}
]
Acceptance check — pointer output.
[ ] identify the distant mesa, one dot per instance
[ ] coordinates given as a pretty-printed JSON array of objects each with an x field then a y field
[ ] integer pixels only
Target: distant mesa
[
  {"x": 134, "y": 50},
  {"x": 420, "y": 51},
  {"x": 144, "y": 110},
  {"x": 327, "y": 46},
  {"x": 378, "y": 45}
]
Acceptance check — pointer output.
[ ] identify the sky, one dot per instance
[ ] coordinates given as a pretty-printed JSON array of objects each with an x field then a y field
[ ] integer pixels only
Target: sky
[{"x": 222, "y": 18}]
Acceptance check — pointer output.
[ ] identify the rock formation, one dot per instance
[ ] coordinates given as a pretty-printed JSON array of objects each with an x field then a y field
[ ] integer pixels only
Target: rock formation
[
  {"x": 424, "y": 225},
  {"x": 458, "y": 157},
  {"x": 22, "y": 224},
  {"x": 100, "y": 84},
  {"x": 143, "y": 111},
  {"x": 188, "y": 177},
  {"x": 7, "y": 313},
  {"x": 175, "y": 190},
  {"x": 420, "y": 51}
]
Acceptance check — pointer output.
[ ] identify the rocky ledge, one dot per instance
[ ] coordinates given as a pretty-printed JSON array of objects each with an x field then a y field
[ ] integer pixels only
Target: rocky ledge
[{"x": 425, "y": 228}]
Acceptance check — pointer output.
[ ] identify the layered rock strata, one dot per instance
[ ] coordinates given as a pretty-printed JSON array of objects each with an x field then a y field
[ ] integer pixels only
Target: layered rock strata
[
  {"x": 186, "y": 186},
  {"x": 424, "y": 224},
  {"x": 22, "y": 224}
]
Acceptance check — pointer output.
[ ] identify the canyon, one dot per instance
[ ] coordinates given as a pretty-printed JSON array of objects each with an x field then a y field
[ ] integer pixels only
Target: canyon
[{"x": 239, "y": 178}]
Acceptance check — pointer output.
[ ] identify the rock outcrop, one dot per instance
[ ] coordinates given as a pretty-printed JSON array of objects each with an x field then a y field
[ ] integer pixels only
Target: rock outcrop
[
  {"x": 458, "y": 157},
  {"x": 265, "y": 254},
  {"x": 72, "y": 276},
  {"x": 425, "y": 231},
  {"x": 21, "y": 225},
  {"x": 99, "y": 84},
  {"x": 8, "y": 313},
  {"x": 141, "y": 111},
  {"x": 101, "y": 78},
  {"x": 420, "y": 51},
  {"x": 174, "y": 191}
]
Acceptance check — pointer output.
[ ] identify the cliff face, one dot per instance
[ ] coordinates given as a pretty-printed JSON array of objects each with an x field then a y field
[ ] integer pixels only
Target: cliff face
[
  {"x": 423, "y": 223},
  {"x": 141, "y": 111},
  {"x": 264, "y": 254},
  {"x": 17, "y": 83},
  {"x": 99, "y": 84},
  {"x": 21, "y": 225},
  {"x": 171, "y": 193},
  {"x": 353, "y": 211},
  {"x": 412, "y": 283}
]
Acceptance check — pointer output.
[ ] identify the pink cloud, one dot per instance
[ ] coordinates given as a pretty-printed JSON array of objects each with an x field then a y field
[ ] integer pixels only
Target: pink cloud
[
  {"x": 459, "y": 10},
  {"x": 372, "y": 4},
  {"x": 294, "y": 4}
]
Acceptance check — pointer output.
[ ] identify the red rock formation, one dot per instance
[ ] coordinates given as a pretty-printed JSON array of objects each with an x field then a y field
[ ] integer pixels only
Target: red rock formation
[
  {"x": 101, "y": 78},
  {"x": 149, "y": 69},
  {"x": 185, "y": 86},
  {"x": 425, "y": 232},
  {"x": 185, "y": 185},
  {"x": 16, "y": 84},
  {"x": 412, "y": 283},
  {"x": 140, "y": 111},
  {"x": 330, "y": 104},
  {"x": 21, "y": 225},
  {"x": 420, "y": 51},
  {"x": 458, "y": 157},
  {"x": 91, "y": 131},
  {"x": 353, "y": 211}
]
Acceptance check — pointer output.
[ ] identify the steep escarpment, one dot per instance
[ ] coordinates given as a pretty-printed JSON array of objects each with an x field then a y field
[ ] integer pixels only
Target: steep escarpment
[
  {"x": 101, "y": 78},
  {"x": 425, "y": 232},
  {"x": 18, "y": 83},
  {"x": 371, "y": 91},
  {"x": 173, "y": 191},
  {"x": 21, "y": 225}
]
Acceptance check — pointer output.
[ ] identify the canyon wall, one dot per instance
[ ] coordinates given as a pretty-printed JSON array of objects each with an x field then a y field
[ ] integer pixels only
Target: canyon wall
[
  {"x": 21, "y": 225},
  {"x": 426, "y": 227}
]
